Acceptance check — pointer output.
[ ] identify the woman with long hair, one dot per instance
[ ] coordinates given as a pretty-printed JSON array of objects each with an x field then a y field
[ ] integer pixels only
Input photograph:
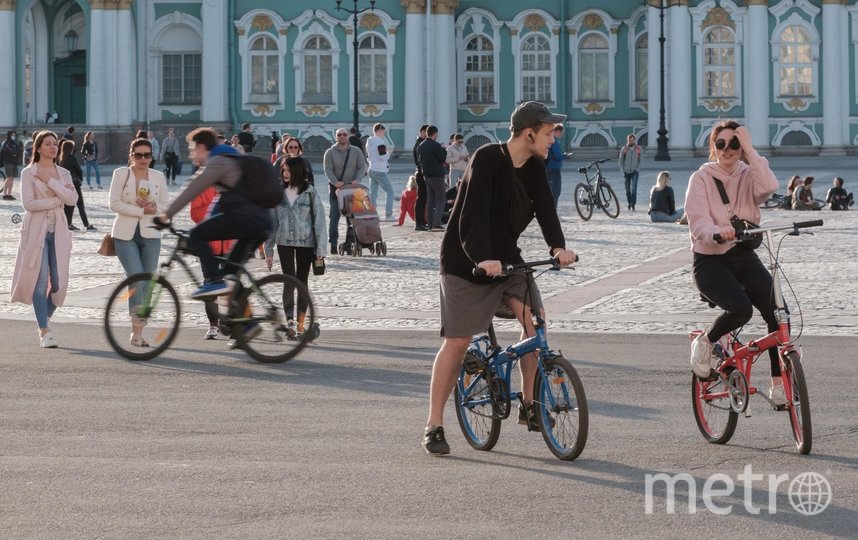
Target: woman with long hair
[
  {"x": 662, "y": 204},
  {"x": 69, "y": 163}
]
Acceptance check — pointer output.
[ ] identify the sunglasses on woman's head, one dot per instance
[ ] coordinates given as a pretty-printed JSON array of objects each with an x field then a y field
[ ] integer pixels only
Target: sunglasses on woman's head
[
  {"x": 139, "y": 155},
  {"x": 721, "y": 144}
]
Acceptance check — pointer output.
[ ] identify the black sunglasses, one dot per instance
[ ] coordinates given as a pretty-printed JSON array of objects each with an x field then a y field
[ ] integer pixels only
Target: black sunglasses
[
  {"x": 720, "y": 144},
  {"x": 138, "y": 155}
]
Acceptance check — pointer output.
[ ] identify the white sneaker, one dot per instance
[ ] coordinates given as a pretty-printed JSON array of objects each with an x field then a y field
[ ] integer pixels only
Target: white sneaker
[
  {"x": 213, "y": 332},
  {"x": 702, "y": 359},
  {"x": 777, "y": 394},
  {"x": 47, "y": 341}
]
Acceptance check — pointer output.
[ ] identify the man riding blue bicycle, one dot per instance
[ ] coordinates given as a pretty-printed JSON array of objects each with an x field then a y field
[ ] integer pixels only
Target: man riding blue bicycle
[{"x": 503, "y": 188}]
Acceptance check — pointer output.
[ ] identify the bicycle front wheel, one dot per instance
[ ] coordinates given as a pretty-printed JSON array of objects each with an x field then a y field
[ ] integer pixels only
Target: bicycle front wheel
[
  {"x": 158, "y": 309},
  {"x": 583, "y": 202},
  {"x": 263, "y": 328},
  {"x": 562, "y": 408},
  {"x": 608, "y": 200},
  {"x": 799, "y": 405},
  {"x": 474, "y": 411},
  {"x": 712, "y": 412}
]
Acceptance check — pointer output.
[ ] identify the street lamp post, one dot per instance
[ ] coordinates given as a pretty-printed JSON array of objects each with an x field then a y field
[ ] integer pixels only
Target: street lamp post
[
  {"x": 661, "y": 153},
  {"x": 354, "y": 12}
]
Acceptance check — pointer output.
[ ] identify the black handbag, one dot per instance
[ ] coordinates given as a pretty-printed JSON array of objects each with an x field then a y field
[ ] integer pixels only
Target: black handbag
[{"x": 740, "y": 225}]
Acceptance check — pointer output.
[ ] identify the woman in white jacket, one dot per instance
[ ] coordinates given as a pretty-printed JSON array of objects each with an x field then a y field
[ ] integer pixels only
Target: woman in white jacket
[{"x": 137, "y": 194}]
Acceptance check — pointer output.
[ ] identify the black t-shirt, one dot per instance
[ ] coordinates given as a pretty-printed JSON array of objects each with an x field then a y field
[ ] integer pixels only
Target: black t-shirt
[{"x": 482, "y": 225}]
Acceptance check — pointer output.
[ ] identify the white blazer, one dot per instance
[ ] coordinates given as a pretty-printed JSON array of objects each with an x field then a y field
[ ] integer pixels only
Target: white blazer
[{"x": 123, "y": 201}]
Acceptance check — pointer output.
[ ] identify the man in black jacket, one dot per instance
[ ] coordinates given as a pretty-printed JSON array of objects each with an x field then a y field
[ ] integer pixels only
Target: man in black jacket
[
  {"x": 433, "y": 158},
  {"x": 420, "y": 204},
  {"x": 503, "y": 187},
  {"x": 246, "y": 138}
]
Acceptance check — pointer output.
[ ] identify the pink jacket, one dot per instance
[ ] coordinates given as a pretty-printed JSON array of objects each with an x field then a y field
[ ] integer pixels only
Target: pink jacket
[
  {"x": 39, "y": 200},
  {"x": 747, "y": 188}
]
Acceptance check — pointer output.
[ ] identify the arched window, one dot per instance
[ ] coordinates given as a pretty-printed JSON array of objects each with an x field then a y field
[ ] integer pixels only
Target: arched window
[
  {"x": 479, "y": 71},
  {"x": 372, "y": 70},
  {"x": 536, "y": 69},
  {"x": 796, "y": 73},
  {"x": 181, "y": 66},
  {"x": 264, "y": 70},
  {"x": 719, "y": 63},
  {"x": 642, "y": 68},
  {"x": 593, "y": 68},
  {"x": 318, "y": 71}
]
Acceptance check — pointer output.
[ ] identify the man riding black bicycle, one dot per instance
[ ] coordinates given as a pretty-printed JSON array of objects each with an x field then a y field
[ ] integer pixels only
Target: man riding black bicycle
[
  {"x": 503, "y": 188},
  {"x": 237, "y": 217}
]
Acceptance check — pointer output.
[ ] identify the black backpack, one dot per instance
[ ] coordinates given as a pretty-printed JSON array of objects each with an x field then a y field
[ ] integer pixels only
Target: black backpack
[{"x": 259, "y": 181}]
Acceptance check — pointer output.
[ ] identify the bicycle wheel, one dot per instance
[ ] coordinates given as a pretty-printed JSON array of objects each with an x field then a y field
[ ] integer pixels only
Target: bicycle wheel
[
  {"x": 159, "y": 310},
  {"x": 474, "y": 411},
  {"x": 608, "y": 200},
  {"x": 772, "y": 202},
  {"x": 711, "y": 403},
  {"x": 799, "y": 407},
  {"x": 262, "y": 330},
  {"x": 562, "y": 408},
  {"x": 583, "y": 202}
]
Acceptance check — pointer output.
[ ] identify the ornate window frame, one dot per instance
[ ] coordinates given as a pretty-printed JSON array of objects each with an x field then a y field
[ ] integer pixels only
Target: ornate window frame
[
  {"x": 483, "y": 24},
  {"x": 526, "y": 23},
  {"x": 310, "y": 24},
  {"x": 705, "y": 17},
  {"x": 795, "y": 103},
  {"x": 249, "y": 27},
  {"x": 806, "y": 125},
  {"x": 384, "y": 27},
  {"x": 594, "y": 20},
  {"x": 638, "y": 30},
  {"x": 597, "y": 129},
  {"x": 155, "y": 53}
]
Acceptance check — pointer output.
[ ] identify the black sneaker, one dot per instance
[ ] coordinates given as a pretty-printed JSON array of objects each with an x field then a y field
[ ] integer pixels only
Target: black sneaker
[
  {"x": 527, "y": 417},
  {"x": 434, "y": 441}
]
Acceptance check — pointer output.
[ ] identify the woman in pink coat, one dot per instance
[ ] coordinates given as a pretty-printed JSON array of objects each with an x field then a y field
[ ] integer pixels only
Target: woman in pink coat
[{"x": 41, "y": 274}]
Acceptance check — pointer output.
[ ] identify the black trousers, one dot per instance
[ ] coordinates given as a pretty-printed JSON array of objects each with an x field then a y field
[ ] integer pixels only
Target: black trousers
[
  {"x": 420, "y": 204},
  {"x": 250, "y": 231},
  {"x": 171, "y": 162},
  {"x": 69, "y": 210},
  {"x": 295, "y": 261},
  {"x": 737, "y": 282}
]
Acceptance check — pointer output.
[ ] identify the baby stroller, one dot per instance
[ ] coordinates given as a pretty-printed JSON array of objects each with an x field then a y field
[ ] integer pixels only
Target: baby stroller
[{"x": 363, "y": 230}]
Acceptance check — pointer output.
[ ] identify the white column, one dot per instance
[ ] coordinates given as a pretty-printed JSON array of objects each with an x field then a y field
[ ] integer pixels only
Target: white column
[
  {"x": 97, "y": 88},
  {"x": 832, "y": 114},
  {"x": 757, "y": 91},
  {"x": 126, "y": 74},
  {"x": 215, "y": 61},
  {"x": 653, "y": 81},
  {"x": 442, "y": 42},
  {"x": 111, "y": 68},
  {"x": 8, "y": 67},
  {"x": 680, "y": 79},
  {"x": 415, "y": 41}
]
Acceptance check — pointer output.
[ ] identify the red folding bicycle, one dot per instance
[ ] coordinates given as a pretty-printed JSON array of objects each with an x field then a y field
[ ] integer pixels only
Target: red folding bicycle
[{"x": 719, "y": 400}]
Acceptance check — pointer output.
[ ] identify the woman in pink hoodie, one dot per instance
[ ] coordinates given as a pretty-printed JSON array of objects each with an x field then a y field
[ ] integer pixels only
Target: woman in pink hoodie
[{"x": 731, "y": 276}]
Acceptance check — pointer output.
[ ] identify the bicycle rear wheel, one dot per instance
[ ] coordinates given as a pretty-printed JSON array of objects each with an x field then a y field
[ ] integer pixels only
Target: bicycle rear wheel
[
  {"x": 799, "y": 404},
  {"x": 583, "y": 202},
  {"x": 474, "y": 411},
  {"x": 609, "y": 202},
  {"x": 159, "y": 310},
  {"x": 711, "y": 403},
  {"x": 562, "y": 408},
  {"x": 262, "y": 330}
]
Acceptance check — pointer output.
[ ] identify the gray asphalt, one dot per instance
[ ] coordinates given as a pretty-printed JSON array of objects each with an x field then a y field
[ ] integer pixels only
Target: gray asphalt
[{"x": 204, "y": 443}]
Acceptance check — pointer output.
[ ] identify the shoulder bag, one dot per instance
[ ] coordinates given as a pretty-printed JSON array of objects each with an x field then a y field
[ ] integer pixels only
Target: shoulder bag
[
  {"x": 752, "y": 242},
  {"x": 108, "y": 245}
]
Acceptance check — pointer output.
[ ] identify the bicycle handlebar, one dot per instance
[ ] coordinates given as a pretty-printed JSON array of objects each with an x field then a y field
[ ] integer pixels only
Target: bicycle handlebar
[
  {"x": 751, "y": 232},
  {"x": 508, "y": 268}
]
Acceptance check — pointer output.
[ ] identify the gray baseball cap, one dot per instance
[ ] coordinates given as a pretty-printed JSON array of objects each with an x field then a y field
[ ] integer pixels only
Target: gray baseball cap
[{"x": 532, "y": 113}]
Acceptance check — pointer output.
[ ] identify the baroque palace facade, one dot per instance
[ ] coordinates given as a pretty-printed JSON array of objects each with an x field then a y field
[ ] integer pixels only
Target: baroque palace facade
[{"x": 785, "y": 68}]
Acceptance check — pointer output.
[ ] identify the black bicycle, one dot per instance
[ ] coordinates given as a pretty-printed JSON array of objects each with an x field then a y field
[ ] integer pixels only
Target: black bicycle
[
  {"x": 595, "y": 192},
  {"x": 254, "y": 311}
]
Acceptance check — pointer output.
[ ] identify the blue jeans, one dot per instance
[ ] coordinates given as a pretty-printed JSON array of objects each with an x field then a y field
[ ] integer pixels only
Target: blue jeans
[
  {"x": 662, "y": 217},
  {"x": 554, "y": 184},
  {"x": 380, "y": 179},
  {"x": 42, "y": 303},
  {"x": 92, "y": 165},
  {"x": 138, "y": 255},
  {"x": 435, "y": 200},
  {"x": 632, "y": 188}
]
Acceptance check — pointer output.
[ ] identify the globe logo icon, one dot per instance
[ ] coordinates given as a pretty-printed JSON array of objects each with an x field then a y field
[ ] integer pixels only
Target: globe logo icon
[{"x": 809, "y": 493}]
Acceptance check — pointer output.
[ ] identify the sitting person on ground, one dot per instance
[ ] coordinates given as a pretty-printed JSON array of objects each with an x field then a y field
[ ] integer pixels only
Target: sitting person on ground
[
  {"x": 802, "y": 198},
  {"x": 838, "y": 198},
  {"x": 408, "y": 201},
  {"x": 662, "y": 204},
  {"x": 793, "y": 183}
]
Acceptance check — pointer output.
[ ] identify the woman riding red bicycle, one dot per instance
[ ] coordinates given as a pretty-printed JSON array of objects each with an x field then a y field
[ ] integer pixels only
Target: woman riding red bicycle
[{"x": 722, "y": 194}]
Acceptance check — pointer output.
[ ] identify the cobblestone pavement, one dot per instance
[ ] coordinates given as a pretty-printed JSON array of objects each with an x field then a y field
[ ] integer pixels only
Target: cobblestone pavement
[{"x": 634, "y": 275}]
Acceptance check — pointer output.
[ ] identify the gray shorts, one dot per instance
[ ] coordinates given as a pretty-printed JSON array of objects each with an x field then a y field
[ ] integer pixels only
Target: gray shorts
[
  {"x": 468, "y": 308},
  {"x": 11, "y": 171}
]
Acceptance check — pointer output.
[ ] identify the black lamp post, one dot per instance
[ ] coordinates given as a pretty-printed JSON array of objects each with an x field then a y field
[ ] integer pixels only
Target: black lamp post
[
  {"x": 661, "y": 153},
  {"x": 354, "y": 12}
]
